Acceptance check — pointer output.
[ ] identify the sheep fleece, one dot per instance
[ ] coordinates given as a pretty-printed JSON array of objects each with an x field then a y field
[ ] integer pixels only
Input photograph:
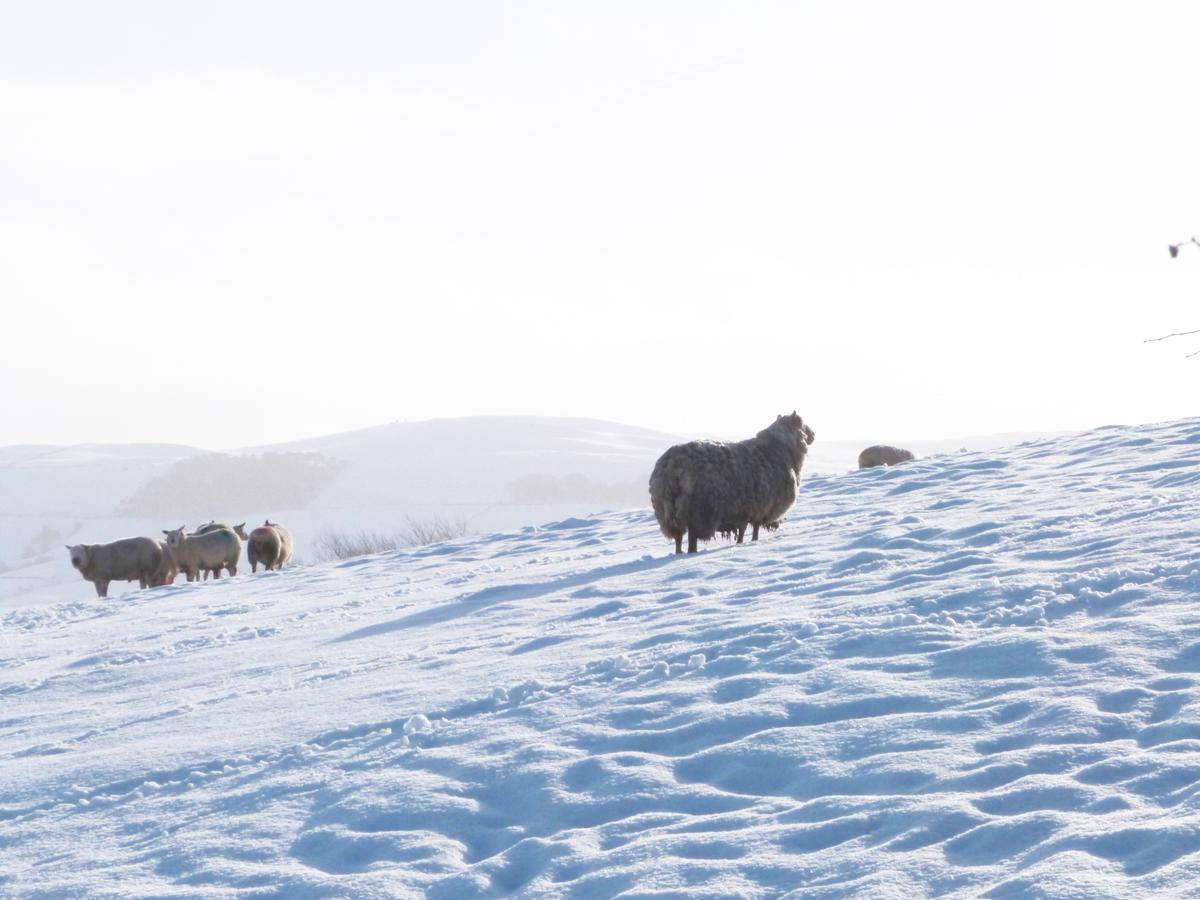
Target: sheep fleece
[
  {"x": 703, "y": 487},
  {"x": 883, "y": 455},
  {"x": 129, "y": 559}
]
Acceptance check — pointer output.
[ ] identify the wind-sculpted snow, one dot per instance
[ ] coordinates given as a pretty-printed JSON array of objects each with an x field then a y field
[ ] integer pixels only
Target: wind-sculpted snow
[{"x": 974, "y": 674}]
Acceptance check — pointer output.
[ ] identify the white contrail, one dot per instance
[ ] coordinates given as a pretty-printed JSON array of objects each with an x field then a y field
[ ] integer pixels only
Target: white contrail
[{"x": 670, "y": 79}]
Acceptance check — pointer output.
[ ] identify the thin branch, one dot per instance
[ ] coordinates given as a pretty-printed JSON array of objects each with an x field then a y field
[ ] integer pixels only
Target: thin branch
[
  {"x": 1171, "y": 335},
  {"x": 1173, "y": 249}
]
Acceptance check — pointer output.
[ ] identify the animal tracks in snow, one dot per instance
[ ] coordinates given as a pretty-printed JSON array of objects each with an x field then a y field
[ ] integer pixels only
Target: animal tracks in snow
[{"x": 975, "y": 674}]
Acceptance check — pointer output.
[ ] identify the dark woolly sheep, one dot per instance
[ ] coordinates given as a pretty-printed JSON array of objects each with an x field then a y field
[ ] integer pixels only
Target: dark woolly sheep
[
  {"x": 883, "y": 455},
  {"x": 706, "y": 487}
]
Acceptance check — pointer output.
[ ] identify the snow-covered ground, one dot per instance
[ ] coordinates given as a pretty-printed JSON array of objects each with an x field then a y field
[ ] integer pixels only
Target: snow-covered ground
[
  {"x": 489, "y": 472},
  {"x": 975, "y": 674},
  {"x": 454, "y": 469}
]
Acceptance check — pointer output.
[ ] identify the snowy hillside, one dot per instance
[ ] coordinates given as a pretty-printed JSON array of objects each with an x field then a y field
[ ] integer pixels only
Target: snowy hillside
[
  {"x": 976, "y": 674},
  {"x": 490, "y": 472}
]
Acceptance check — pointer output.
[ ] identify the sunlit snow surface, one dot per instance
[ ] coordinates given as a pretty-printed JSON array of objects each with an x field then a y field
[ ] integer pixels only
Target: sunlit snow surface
[{"x": 971, "y": 674}]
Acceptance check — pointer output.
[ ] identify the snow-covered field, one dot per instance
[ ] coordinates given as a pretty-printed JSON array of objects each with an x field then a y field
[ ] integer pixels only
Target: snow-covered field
[
  {"x": 463, "y": 469},
  {"x": 976, "y": 674},
  {"x": 454, "y": 469}
]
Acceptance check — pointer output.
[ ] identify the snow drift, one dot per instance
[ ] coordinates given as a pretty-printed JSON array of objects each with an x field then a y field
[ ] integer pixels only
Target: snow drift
[{"x": 976, "y": 674}]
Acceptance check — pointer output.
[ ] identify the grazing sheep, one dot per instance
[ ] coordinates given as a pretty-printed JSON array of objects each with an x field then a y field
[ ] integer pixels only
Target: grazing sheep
[
  {"x": 213, "y": 551},
  {"x": 705, "y": 487},
  {"x": 129, "y": 559},
  {"x": 883, "y": 455},
  {"x": 269, "y": 544}
]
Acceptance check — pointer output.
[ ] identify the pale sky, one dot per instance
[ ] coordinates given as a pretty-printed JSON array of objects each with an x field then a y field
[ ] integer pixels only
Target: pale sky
[{"x": 227, "y": 224}]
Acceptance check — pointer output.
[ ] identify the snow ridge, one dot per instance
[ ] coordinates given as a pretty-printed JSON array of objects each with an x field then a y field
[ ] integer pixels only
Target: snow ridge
[{"x": 971, "y": 674}]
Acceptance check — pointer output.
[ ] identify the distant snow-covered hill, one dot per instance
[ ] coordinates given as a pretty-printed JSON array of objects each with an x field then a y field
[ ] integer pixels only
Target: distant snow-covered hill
[
  {"x": 976, "y": 674},
  {"x": 491, "y": 472}
]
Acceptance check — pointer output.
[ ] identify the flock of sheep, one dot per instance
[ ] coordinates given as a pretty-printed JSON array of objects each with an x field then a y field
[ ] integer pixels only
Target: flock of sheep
[
  {"x": 208, "y": 550},
  {"x": 700, "y": 489},
  {"x": 703, "y": 488}
]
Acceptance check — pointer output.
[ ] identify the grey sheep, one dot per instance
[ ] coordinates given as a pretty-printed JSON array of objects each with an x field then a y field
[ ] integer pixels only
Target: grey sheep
[
  {"x": 137, "y": 559},
  {"x": 269, "y": 544},
  {"x": 705, "y": 487},
  {"x": 213, "y": 551},
  {"x": 883, "y": 455}
]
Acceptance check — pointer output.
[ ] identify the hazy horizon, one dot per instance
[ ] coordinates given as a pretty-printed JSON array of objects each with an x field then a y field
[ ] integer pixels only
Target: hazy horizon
[
  {"x": 236, "y": 225},
  {"x": 700, "y": 434}
]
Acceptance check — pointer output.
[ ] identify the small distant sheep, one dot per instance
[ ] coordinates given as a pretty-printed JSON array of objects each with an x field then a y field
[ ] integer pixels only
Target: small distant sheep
[
  {"x": 212, "y": 551},
  {"x": 269, "y": 544},
  {"x": 705, "y": 487},
  {"x": 883, "y": 455},
  {"x": 137, "y": 559}
]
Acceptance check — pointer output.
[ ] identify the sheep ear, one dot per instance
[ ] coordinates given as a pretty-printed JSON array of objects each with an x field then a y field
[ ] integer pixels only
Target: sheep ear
[{"x": 164, "y": 531}]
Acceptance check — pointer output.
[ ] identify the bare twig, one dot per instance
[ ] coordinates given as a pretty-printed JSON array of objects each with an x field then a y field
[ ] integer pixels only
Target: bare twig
[
  {"x": 1171, "y": 335},
  {"x": 1174, "y": 249},
  {"x": 331, "y": 544}
]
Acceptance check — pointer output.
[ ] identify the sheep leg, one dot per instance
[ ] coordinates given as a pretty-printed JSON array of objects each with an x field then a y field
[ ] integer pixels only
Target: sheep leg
[
  {"x": 679, "y": 543},
  {"x": 691, "y": 541},
  {"x": 741, "y": 533},
  {"x": 101, "y": 588},
  {"x": 755, "y": 536}
]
